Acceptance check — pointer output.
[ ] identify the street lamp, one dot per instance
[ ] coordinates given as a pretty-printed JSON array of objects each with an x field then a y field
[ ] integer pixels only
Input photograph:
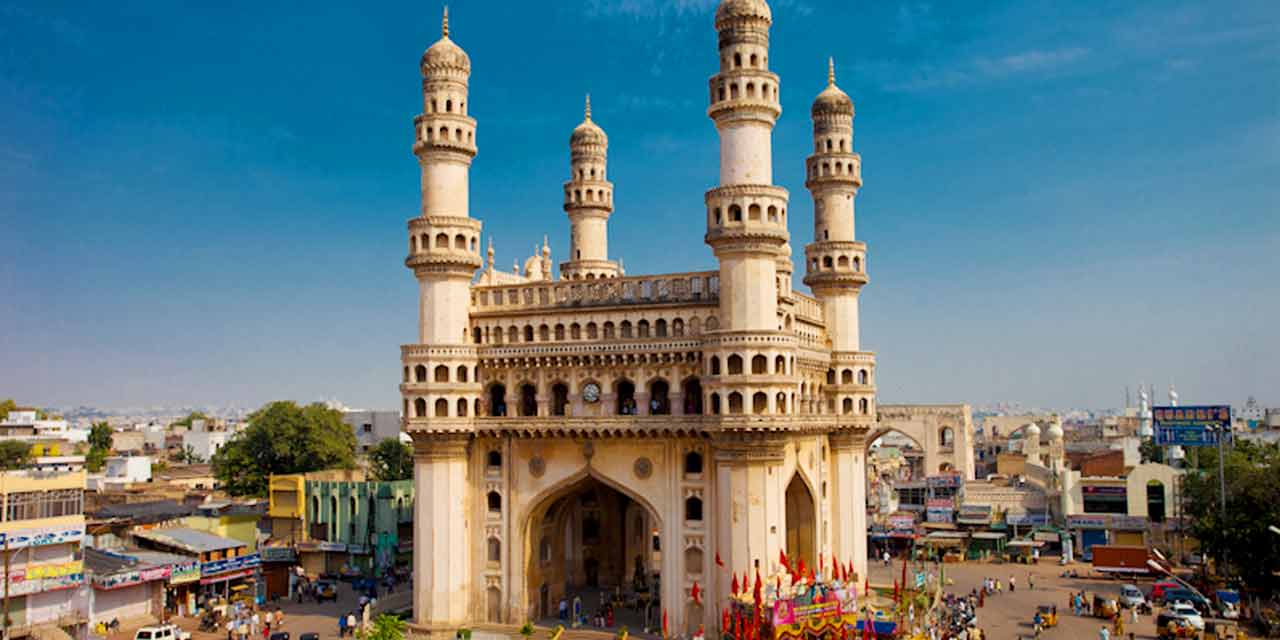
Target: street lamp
[{"x": 1274, "y": 529}]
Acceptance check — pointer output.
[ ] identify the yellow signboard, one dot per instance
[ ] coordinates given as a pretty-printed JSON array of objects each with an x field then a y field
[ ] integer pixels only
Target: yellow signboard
[{"x": 58, "y": 570}]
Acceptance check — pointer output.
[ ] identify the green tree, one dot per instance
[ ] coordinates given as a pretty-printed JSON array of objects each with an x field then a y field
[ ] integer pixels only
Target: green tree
[
  {"x": 281, "y": 438},
  {"x": 384, "y": 627},
  {"x": 14, "y": 454},
  {"x": 6, "y": 406},
  {"x": 1240, "y": 539},
  {"x": 186, "y": 422},
  {"x": 391, "y": 460},
  {"x": 95, "y": 460},
  {"x": 188, "y": 455},
  {"x": 100, "y": 436}
]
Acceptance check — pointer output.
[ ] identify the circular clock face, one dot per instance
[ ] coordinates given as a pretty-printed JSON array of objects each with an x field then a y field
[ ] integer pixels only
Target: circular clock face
[{"x": 591, "y": 392}]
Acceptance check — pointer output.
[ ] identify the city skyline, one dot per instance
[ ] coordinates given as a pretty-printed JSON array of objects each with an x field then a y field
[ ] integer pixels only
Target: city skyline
[{"x": 195, "y": 227}]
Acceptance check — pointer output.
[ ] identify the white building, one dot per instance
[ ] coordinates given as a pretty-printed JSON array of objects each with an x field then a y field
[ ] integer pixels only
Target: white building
[
  {"x": 372, "y": 427},
  {"x": 203, "y": 440}
]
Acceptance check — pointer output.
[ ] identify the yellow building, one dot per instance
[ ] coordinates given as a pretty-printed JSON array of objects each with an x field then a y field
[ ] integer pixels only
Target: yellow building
[{"x": 41, "y": 528}]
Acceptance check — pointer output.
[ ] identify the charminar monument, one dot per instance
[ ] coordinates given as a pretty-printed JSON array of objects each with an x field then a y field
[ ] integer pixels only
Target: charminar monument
[{"x": 603, "y": 435}]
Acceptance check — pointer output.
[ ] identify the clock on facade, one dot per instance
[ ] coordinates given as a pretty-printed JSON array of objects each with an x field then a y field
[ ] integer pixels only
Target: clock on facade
[{"x": 591, "y": 392}]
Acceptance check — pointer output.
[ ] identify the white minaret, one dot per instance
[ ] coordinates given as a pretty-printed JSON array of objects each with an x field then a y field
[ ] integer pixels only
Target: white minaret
[
  {"x": 746, "y": 214},
  {"x": 444, "y": 241},
  {"x": 441, "y": 387},
  {"x": 588, "y": 199},
  {"x": 1175, "y": 452},
  {"x": 835, "y": 262}
]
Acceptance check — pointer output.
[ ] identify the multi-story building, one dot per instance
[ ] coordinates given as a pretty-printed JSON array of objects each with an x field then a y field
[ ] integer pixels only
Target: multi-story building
[
  {"x": 372, "y": 427},
  {"x": 336, "y": 519},
  {"x": 605, "y": 429},
  {"x": 41, "y": 530}
]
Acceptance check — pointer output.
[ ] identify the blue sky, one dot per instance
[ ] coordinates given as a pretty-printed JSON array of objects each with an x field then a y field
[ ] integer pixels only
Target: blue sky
[{"x": 206, "y": 204}]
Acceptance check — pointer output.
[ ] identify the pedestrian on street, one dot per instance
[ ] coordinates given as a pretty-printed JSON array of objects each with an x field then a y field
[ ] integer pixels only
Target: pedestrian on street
[
  {"x": 1133, "y": 615},
  {"x": 351, "y": 623},
  {"x": 1012, "y": 584},
  {"x": 279, "y": 618},
  {"x": 342, "y": 626},
  {"x": 1031, "y": 581},
  {"x": 1103, "y": 634}
]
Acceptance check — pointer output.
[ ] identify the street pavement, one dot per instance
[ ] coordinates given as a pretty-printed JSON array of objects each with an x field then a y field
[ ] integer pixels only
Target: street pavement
[{"x": 1008, "y": 616}]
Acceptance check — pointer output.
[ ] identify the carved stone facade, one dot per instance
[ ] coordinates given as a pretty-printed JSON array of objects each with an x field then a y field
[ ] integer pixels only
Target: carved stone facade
[{"x": 602, "y": 430}]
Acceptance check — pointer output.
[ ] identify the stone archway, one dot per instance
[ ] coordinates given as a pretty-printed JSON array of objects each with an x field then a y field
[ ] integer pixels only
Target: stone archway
[
  {"x": 802, "y": 521},
  {"x": 586, "y": 537}
]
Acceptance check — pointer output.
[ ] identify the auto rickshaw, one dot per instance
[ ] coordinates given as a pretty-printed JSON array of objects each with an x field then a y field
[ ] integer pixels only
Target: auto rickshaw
[
  {"x": 1104, "y": 607},
  {"x": 1220, "y": 630},
  {"x": 1176, "y": 629},
  {"x": 1048, "y": 615}
]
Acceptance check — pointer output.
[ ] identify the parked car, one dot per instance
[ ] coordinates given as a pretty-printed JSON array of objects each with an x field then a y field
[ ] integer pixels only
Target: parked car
[
  {"x": 1131, "y": 596},
  {"x": 326, "y": 590},
  {"x": 1184, "y": 612},
  {"x": 1190, "y": 597},
  {"x": 161, "y": 632},
  {"x": 1158, "y": 589}
]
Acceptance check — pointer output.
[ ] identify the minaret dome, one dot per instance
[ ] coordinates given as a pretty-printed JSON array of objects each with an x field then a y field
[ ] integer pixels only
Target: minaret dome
[
  {"x": 445, "y": 54},
  {"x": 832, "y": 100}
]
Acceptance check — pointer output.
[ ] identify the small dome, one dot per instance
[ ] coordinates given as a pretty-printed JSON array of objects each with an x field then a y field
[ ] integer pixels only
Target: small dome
[
  {"x": 1055, "y": 431},
  {"x": 445, "y": 54},
  {"x": 832, "y": 99},
  {"x": 588, "y": 132},
  {"x": 1033, "y": 430},
  {"x": 730, "y": 9}
]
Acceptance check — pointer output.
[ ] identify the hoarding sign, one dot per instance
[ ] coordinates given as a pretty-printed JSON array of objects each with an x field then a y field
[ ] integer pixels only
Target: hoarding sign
[
  {"x": 939, "y": 515},
  {"x": 1025, "y": 519},
  {"x": 230, "y": 564},
  {"x": 1087, "y": 522},
  {"x": 1128, "y": 523},
  {"x": 943, "y": 481},
  {"x": 183, "y": 573},
  {"x": 24, "y": 538},
  {"x": 277, "y": 554},
  {"x": 55, "y": 570},
  {"x": 1191, "y": 426},
  {"x": 902, "y": 523}
]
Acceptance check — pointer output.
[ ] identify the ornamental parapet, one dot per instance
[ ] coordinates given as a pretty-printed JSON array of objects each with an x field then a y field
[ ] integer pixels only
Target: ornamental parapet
[
  {"x": 426, "y": 352},
  {"x": 824, "y": 169},
  {"x": 832, "y": 263},
  {"x": 722, "y": 340},
  {"x": 693, "y": 287},
  {"x": 594, "y": 355}
]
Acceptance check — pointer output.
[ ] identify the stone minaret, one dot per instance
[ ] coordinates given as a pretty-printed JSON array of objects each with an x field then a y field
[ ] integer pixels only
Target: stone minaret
[
  {"x": 835, "y": 270},
  {"x": 440, "y": 386},
  {"x": 746, "y": 214},
  {"x": 588, "y": 199}
]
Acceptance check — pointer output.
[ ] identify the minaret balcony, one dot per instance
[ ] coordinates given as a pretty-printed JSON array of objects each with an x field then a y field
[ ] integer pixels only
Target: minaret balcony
[
  {"x": 833, "y": 169},
  {"x": 835, "y": 263}
]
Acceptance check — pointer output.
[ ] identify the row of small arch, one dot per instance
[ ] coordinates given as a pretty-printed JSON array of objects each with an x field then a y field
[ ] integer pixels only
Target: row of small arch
[
  {"x": 824, "y": 169},
  {"x": 544, "y": 333},
  {"x": 841, "y": 262},
  {"x": 606, "y": 196},
  {"x": 767, "y": 91},
  {"x": 772, "y": 214},
  {"x": 448, "y": 106},
  {"x": 460, "y": 242},
  {"x": 442, "y": 134},
  {"x": 441, "y": 374},
  {"x": 754, "y": 61},
  {"x": 759, "y": 365},
  {"x": 831, "y": 145}
]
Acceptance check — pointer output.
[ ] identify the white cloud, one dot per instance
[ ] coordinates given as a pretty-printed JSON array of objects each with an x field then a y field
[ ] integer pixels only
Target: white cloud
[
  {"x": 982, "y": 69},
  {"x": 1029, "y": 61}
]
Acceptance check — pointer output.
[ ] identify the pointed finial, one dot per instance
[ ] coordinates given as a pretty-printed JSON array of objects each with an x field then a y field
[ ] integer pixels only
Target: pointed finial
[
  {"x": 588, "y": 109},
  {"x": 444, "y": 24},
  {"x": 831, "y": 70},
  {"x": 546, "y": 245}
]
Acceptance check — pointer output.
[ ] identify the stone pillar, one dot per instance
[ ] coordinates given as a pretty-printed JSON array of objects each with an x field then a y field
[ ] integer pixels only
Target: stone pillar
[
  {"x": 849, "y": 499},
  {"x": 750, "y": 509},
  {"x": 442, "y": 534}
]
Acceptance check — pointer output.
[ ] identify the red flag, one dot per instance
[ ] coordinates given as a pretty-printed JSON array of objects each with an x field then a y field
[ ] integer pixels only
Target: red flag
[
  {"x": 818, "y": 565},
  {"x": 664, "y": 622},
  {"x": 782, "y": 559},
  {"x": 813, "y": 578},
  {"x": 801, "y": 568},
  {"x": 734, "y": 586},
  {"x": 737, "y": 625},
  {"x": 725, "y": 625},
  {"x": 759, "y": 590},
  {"x": 719, "y": 562},
  {"x": 696, "y": 593},
  {"x": 866, "y": 589}
]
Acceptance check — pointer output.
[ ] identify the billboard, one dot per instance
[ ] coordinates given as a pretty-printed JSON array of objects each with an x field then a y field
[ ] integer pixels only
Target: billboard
[{"x": 1191, "y": 426}]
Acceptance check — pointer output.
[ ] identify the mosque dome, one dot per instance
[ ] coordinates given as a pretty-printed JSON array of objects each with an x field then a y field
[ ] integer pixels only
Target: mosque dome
[
  {"x": 832, "y": 100},
  {"x": 588, "y": 133},
  {"x": 1033, "y": 431},
  {"x": 1055, "y": 431},
  {"x": 445, "y": 53},
  {"x": 731, "y": 9}
]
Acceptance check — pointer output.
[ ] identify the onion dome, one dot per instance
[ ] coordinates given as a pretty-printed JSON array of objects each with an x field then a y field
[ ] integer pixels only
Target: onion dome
[
  {"x": 445, "y": 54},
  {"x": 1055, "y": 432},
  {"x": 1033, "y": 432},
  {"x": 832, "y": 100},
  {"x": 734, "y": 9},
  {"x": 588, "y": 133}
]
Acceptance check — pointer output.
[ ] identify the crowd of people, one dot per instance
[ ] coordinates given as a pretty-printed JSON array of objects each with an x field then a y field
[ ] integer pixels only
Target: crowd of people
[{"x": 248, "y": 622}]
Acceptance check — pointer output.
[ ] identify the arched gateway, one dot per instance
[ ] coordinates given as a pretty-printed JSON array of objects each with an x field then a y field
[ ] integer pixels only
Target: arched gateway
[{"x": 604, "y": 436}]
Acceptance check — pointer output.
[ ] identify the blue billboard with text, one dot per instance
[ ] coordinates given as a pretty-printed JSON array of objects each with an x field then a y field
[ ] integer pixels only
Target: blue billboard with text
[{"x": 1191, "y": 426}]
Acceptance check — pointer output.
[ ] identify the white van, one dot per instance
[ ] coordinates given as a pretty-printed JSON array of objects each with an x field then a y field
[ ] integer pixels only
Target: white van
[{"x": 162, "y": 632}]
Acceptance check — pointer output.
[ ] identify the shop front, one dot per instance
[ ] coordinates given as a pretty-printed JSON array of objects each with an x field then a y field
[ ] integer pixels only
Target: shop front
[
  {"x": 277, "y": 570},
  {"x": 128, "y": 593},
  {"x": 182, "y": 587},
  {"x": 1088, "y": 531},
  {"x": 231, "y": 579}
]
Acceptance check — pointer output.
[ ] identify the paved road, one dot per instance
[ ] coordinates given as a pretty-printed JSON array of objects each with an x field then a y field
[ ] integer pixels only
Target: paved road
[{"x": 1008, "y": 616}]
